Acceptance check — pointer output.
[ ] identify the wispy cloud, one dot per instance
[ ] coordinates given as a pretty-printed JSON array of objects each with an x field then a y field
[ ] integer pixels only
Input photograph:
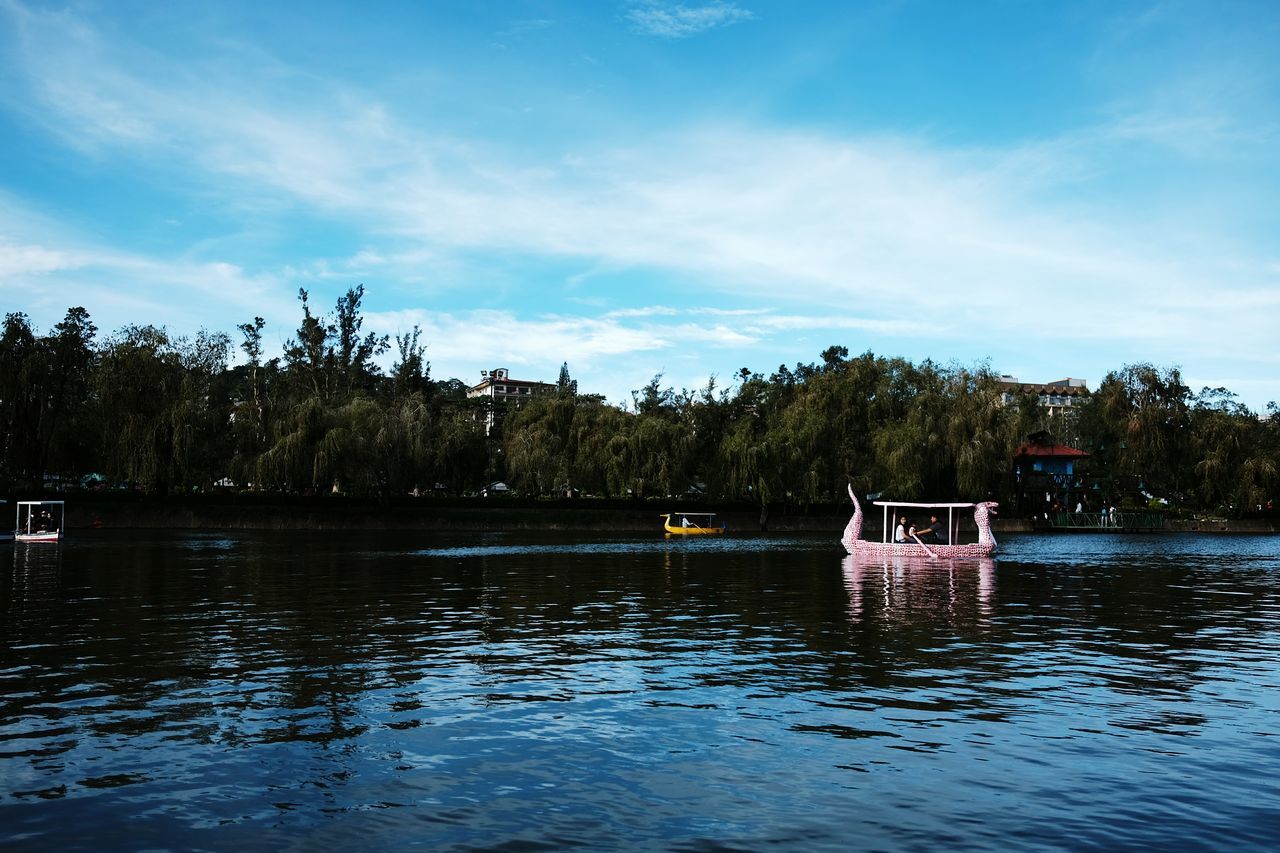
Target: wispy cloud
[
  {"x": 22, "y": 261},
  {"x": 892, "y": 236},
  {"x": 46, "y": 269},
  {"x": 674, "y": 20},
  {"x": 861, "y": 221},
  {"x": 592, "y": 344}
]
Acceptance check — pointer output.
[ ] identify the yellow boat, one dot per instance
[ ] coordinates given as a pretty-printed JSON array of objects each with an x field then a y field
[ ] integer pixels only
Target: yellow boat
[{"x": 692, "y": 524}]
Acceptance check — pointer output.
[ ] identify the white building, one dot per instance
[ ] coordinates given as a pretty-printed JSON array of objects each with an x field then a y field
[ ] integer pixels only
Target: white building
[
  {"x": 500, "y": 388},
  {"x": 1056, "y": 397}
]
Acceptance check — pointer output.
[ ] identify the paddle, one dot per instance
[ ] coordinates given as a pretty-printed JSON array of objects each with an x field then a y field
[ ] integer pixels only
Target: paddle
[{"x": 924, "y": 546}]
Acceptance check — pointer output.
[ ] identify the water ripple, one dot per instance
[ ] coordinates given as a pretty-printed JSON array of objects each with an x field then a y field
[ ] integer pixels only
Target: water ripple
[{"x": 738, "y": 693}]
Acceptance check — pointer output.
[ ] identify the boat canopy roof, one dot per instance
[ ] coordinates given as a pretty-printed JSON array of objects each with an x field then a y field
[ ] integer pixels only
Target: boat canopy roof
[
  {"x": 39, "y": 503},
  {"x": 923, "y": 506},
  {"x": 700, "y": 514}
]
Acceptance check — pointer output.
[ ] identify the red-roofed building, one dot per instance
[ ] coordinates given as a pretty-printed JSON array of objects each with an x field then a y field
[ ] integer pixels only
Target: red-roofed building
[
  {"x": 1046, "y": 475},
  {"x": 1050, "y": 457}
]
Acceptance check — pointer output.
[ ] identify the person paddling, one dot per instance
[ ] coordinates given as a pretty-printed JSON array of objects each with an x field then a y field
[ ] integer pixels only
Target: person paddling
[{"x": 931, "y": 533}]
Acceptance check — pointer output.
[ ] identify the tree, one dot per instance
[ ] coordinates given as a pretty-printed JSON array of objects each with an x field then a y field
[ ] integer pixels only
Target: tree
[
  {"x": 252, "y": 408},
  {"x": 411, "y": 373},
  {"x": 202, "y": 410},
  {"x": 20, "y": 393},
  {"x": 68, "y": 423},
  {"x": 1137, "y": 425},
  {"x": 981, "y": 433},
  {"x": 330, "y": 358},
  {"x": 566, "y": 385},
  {"x": 1234, "y": 468},
  {"x": 321, "y": 437},
  {"x": 140, "y": 383}
]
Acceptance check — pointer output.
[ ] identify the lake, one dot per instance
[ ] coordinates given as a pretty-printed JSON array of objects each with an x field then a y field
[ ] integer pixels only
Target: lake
[{"x": 530, "y": 692}]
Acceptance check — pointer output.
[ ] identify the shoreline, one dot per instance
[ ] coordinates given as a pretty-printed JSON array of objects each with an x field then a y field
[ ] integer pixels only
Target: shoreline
[{"x": 257, "y": 512}]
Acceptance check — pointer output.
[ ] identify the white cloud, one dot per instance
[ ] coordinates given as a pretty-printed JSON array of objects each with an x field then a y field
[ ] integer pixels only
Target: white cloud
[
  {"x": 675, "y": 20},
  {"x": 884, "y": 235},
  {"x": 594, "y": 346},
  {"x": 650, "y": 311},
  {"x": 29, "y": 260},
  {"x": 48, "y": 268}
]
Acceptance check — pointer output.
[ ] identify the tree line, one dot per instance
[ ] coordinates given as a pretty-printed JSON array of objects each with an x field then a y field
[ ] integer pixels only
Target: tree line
[{"x": 144, "y": 410}]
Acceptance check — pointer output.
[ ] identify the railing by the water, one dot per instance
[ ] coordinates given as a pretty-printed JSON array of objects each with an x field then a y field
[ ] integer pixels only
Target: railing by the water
[{"x": 1121, "y": 521}]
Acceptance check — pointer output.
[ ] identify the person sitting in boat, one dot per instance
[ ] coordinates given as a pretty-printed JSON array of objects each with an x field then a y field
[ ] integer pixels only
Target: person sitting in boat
[
  {"x": 932, "y": 533},
  {"x": 900, "y": 534}
]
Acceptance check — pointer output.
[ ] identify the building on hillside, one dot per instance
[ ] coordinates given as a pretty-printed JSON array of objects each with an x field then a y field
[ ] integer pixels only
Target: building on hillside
[
  {"x": 1057, "y": 397},
  {"x": 501, "y": 391}
]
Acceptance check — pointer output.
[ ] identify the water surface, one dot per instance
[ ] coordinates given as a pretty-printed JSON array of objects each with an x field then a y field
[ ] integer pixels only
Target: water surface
[{"x": 373, "y": 691}]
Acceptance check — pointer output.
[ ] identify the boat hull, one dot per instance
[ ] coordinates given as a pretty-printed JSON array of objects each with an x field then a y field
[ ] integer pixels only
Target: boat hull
[
  {"x": 974, "y": 550},
  {"x": 37, "y": 537},
  {"x": 693, "y": 531}
]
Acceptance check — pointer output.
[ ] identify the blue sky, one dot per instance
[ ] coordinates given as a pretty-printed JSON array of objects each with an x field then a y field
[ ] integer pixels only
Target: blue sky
[{"x": 642, "y": 186}]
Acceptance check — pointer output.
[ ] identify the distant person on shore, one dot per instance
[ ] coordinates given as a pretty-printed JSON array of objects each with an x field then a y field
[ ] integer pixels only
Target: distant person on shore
[
  {"x": 900, "y": 534},
  {"x": 1102, "y": 513}
]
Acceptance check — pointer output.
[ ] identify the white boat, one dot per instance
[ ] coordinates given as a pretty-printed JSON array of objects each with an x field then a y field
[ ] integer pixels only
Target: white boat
[
  {"x": 947, "y": 548},
  {"x": 39, "y": 521}
]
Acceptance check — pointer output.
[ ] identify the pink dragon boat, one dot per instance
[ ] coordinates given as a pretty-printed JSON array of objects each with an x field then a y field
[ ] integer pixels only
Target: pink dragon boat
[{"x": 984, "y": 547}]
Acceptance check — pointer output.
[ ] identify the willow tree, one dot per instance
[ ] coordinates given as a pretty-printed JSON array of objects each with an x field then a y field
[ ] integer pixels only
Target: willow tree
[
  {"x": 1137, "y": 423},
  {"x": 911, "y": 452},
  {"x": 140, "y": 383},
  {"x": 981, "y": 432},
  {"x": 706, "y": 412},
  {"x": 657, "y": 450},
  {"x": 461, "y": 448},
  {"x": 1235, "y": 466},
  {"x": 320, "y": 441},
  {"x": 201, "y": 409},
  {"x": 597, "y": 469},
  {"x": 751, "y": 453},
  {"x": 536, "y": 444}
]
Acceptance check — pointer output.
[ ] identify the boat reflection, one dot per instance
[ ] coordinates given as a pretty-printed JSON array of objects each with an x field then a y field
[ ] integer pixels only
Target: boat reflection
[
  {"x": 908, "y": 589},
  {"x": 35, "y": 578}
]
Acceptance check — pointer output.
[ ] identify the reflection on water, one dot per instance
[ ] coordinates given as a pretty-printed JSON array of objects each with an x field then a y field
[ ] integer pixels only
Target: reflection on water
[
  {"x": 906, "y": 588},
  {"x": 226, "y": 691}
]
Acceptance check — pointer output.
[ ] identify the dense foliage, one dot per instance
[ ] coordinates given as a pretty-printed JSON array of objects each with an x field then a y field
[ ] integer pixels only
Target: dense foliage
[{"x": 140, "y": 409}]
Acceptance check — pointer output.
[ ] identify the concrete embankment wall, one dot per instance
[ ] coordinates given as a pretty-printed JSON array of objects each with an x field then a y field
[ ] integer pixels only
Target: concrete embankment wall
[{"x": 1222, "y": 525}]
